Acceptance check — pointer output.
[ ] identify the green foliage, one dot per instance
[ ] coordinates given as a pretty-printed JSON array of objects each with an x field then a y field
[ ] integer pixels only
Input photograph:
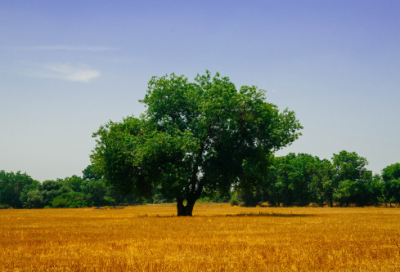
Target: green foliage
[
  {"x": 35, "y": 199},
  {"x": 12, "y": 188},
  {"x": 69, "y": 200},
  {"x": 299, "y": 180},
  {"x": 345, "y": 192},
  {"x": 195, "y": 139},
  {"x": 157, "y": 197},
  {"x": 348, "y": 165},
  {"x": 95, "y": 192},
  {"x": 350, "y": 186},
  {"x": 322, "y": 184},
  {"x": 303, "y": 179},
  {"x": 91, "y": 172},
  {"x": 391, "y": 172},
  {"x": 361, "y": 192},
  {"x": 291, "y": 171},
  {"x": 75, "y": 183},
  {"x": 250, "y": 197},
  {"x": 390, "y": 191},
  {"x": 50, "y": 189},
  {"x": 217, "y": 197},
  {"x": 24, "y": 194},
  {"x": 234, "y": 201}
]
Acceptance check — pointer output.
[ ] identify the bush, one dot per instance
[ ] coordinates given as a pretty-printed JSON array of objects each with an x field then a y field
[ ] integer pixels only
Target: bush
[
  {"x": 249, "y": 198},
  {"x": 69, "y": 200},
  {"x": 109, "y": 200},
  {"x": 34, "y": 199},
  {"x": 234, "y": 201}
]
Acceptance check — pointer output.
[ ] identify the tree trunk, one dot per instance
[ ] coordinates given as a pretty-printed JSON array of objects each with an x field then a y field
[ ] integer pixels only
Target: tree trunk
[
  {"x": 331, "y": 202},
  {"x": 185, "y": 210}
]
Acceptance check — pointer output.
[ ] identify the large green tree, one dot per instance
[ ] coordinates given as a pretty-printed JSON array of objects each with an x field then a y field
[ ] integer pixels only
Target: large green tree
[{"x": 195, "y": 138}]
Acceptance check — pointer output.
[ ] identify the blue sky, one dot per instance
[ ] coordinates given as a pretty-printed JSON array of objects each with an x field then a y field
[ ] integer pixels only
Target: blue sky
[{"x": 68, "y": 67}]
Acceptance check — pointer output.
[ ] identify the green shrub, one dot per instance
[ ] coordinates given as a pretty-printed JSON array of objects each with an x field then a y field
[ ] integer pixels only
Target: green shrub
[
  {"x": 234, "y": 201},
  {"x": 69, "y": 200}
]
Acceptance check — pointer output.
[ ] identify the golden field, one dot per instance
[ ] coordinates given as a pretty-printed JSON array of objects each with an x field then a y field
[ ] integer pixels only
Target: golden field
[{"x": 216, "y": 238}]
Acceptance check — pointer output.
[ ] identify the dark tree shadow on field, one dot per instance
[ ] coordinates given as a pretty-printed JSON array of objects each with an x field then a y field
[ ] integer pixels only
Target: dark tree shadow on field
[{"x": 260, "y": 214}]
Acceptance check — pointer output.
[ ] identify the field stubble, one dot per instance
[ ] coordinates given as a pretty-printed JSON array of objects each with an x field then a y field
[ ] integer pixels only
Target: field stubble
[{"x": 217, "y": 238}]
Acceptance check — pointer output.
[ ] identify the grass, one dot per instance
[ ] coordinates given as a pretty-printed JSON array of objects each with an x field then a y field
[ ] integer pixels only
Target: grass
[{"x": 218, "y": 238}]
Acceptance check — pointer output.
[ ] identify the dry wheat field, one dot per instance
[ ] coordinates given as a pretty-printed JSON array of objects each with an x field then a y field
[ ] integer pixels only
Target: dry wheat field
[{"x": 216, "y": 238}]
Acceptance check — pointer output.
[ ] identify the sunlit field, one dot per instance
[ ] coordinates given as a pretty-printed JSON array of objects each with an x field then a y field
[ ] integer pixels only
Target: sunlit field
[{"x": 216, "y": 238}]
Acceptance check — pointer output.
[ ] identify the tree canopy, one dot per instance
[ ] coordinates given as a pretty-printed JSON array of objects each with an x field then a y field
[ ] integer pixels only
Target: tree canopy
[
  {"x": 391, "y": 172},
  {"x": 195, "y": 138},
  {"x": 14, "y": 188}
]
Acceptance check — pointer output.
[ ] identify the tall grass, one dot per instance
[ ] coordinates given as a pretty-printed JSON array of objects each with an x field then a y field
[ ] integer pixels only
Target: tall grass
[{"x": 150, "y": 238}]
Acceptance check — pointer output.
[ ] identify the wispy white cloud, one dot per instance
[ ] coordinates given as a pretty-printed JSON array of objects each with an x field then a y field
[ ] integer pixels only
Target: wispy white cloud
[
  {"x": 80, "y": 72},
  {"x": 67, "y": 48}
]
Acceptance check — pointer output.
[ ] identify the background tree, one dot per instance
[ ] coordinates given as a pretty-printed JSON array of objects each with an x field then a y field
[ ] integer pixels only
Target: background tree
[
  {"x": 391, "y": 172},
  {"x": 50, "y": 189},
  {"x": 345, "y": 192},
  {"x": 391, "y": 187},
  {"x": 69, "y": 200},
  {"x": 76, "y": 183},
  {"x": 348, "y": 168},
  {"x": 322, "y": 186},
  {"x": 368, "y": 190},
  {"x": 361, "y": 192},
  {"x": 348, "y": 165},
  {"x": 95, "y": 192},
  {"x": 195, "y": 138},
  {"x": 250, "y": 195},
  {"x": 114, "y": 195},
  {"x": 375, "y": 188},
  {"x": 294, "y": 177},
  {"x": 91, "y": 172},
  {"x": 34, "y": 199},
  {"x": 300, "y": 174},
  {"x": 24, "y": 193},
  {"x": 11, "y": 188}
]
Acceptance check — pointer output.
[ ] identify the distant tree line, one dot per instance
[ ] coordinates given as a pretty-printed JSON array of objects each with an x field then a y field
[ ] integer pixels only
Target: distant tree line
[
  {"x": 302, "y": 179},
  {"x": 19, "y": 190},
  {"x": 293, "y": 180}
]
